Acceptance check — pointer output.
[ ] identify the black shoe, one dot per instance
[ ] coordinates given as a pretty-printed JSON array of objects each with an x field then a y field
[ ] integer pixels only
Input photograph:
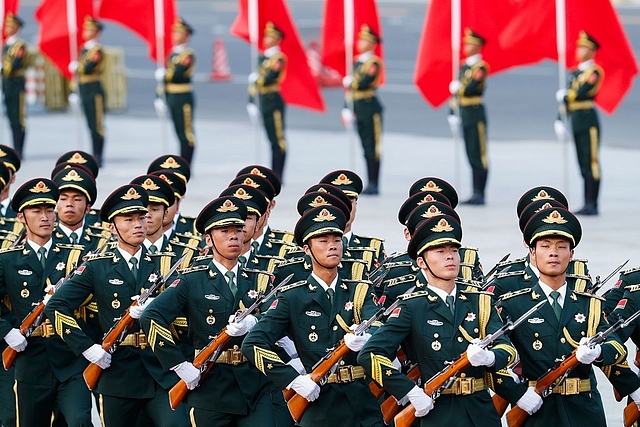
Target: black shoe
[
  {"x": 588, "y": 210},
  {"x": 371, "y": 190},
  {"x": 476, "y": 199}
]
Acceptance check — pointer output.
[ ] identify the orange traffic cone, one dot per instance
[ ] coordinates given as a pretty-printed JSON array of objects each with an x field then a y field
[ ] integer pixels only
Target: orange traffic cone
[
  {"x": 220, "y": 70},
  {"x": 313, "y": 59}
]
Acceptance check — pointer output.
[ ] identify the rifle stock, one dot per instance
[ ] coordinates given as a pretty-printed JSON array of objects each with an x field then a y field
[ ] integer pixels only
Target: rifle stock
[
  {"x": 630, "y": 414},
  {"x": 9, "y": 355},
  {"x": 500, "y": 404},
  {"x": 390, "y": 407}
]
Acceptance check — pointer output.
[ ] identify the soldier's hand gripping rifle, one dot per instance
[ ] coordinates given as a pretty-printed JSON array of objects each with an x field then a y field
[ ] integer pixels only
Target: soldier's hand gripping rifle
[
  {"x": 558, "y": 374},
  {"x": 118, "y": 331},
  {"x": 206, "y": 358},
  {"x": 321, "y": 370},
  {"x": 445, "y": 378}
]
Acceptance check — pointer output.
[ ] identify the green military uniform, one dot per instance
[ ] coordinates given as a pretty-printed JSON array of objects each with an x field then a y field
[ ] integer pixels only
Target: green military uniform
[
  {"x": 48, "y": 374},
  {"x": 367, "y": 108},
  {"x": 7, "y": 376},
  {"x": 135, "y": 381},
  {"x": 180, "y": 68},
  {"x": 14, "y": 64}
]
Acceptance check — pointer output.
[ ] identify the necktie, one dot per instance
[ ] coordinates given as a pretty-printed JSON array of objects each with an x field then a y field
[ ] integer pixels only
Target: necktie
[
  {"x": 232, "y": 283},
  {"x": 153, "y": 249},
  {"x": 330, "y": 293},
  {"x": 345, "y": 243},
  {"x": 556, "y": 305},
  {"x": 243, "y": 261},
  {"x": 134, "y": 267},
  {"x": 43, "y": 259},
  {"x": 254, "y": 247},
  {"x": 74, "y": 237},
  {"x": 450, "y": 303}
]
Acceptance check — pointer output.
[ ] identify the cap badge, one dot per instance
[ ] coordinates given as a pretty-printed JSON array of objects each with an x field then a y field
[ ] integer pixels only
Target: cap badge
[
  {"x": 441, "y": 226},
  {"x": 40, "y": 187},
  {"x": 256, "y": 171},
  {"x": 554, "y": 218},
  {"x": 170, "y": 163},
  {"x": 431, "y": 212},
  {"x": 227, "y": 206},
  {"x": 251, "y": 183},
  {"x": 148, "y": 184},
  {"x": 542, "y": 194},
  {"x": 342, "y": 180},
  {"x": 72, "y": 176},
  {"x": 241, "y": 193},
  {"x": 324, "y": 215},
  {"x": 318, "y": 201},
  {"x": 431, "y": 186},
  {"x": 166, "y": 179},
  {"x": 131, "y": 194}
]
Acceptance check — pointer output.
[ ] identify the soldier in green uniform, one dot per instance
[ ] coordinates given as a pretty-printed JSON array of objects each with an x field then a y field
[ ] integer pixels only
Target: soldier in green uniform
[
  {"x": 48, "y": 374},
  {"x": 14, "y": 64},
  {"x": 132, "y": 380},
  {"x": 89, "y": 69},
  {"x": 234, "y": 392},
  {"x": 79, "y": 158},
  {"x": 317, "y": 313},
  {"x": 161, "y": 196},
  {"x": 565, "y": 324},
  {"x": 440, "y": 322},
  {"x": 361, "y": 90},
  {"x": 578, "y": 100},
  {"x": 467, "y": 94},
  {"x": 178, "y": 89},
  {"x": 265, "y": 84},
  {"x": 8, "y": 216}
]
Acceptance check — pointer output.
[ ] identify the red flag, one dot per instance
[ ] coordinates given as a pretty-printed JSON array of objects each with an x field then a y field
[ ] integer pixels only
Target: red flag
[
  {"x": 333, "y": 47},
  {"x": 9, "y": 6},
  {"x": 138, "y": 16},
  {"x": 54, "y": 35},
  {"x": 299, "y": 87}
]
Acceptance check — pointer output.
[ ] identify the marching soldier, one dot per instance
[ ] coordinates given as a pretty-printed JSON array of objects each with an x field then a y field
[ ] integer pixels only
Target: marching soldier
[
  {"x": 89, "y": 69},
  {"x": 317, "y": 313},
  {"x": 14, "y": 64},
  {"x": 361, "y": 89},
  {"x": 82, "y": 159},
  {"x": 133, "y": 380},
  {"x": 177, "y": 86},
  {"x": 467, "y": 94},
  {"x": 578, "y": 100},
  {"x": 48, "y": 374},
  {"x": 234, "y": 392},
  {"x": 440, "y": 322},
  {"x": 265, "y": 84}
]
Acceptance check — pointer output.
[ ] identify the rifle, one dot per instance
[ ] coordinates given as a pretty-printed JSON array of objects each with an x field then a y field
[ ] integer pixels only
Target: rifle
[
  {"x": 118, "y": 331},
  {"x": 558, "y": 374},
  {"x": 630, "y": 414},
  {"x": 321, "y": 370},
  {"x": 207, "y": 357},
  {"x": 495, "y": 267},
  {"x": 390, "y": 407},
  {"x": 445, "y": 378},
  {"x": 598, "y": 284}
]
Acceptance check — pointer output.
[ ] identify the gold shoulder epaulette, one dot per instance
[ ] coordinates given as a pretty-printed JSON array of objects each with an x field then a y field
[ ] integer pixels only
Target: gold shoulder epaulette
[
  {"x": 69, "y": 246},
  {"x": 194, "y": 269},
  {"x": 362, "y": 248},
  {"x": 160, "y": 254},
  {"x": 293, "y": 285},
  {"x": 283, "y": 243},
  {"x": 586, "y": 294},
  {"x": 189, "y": 236},
  {"x": 629, "y": 271},
  {"x": 583, "y": 260},
  {"x": 515, "y": 293},
  {"x": 255, "y": 271},
  {"x": 468, "y": 282},
  {"x": 512, "y": 262},
  {"x": 279, "y": 258},
  {"x": 404, "y": 297},
  {"x": 184, "y": 245},
  {"x": 105, "y": 255},
  {"x": 202, "y": 257},
  {"x": 578, "y": 276},
  {"x": 474, "y": 290},
  {"x": 510, "y": 274},
  {"x": 632, "y": 288},
  {"x": 397, "y": 264},
  {"x": 273, "y": 230},
  {"x": 368, "y": 282},
  {"x": 407, "y": 278},
  {"x": 13, "y": 249},
  {"x": 290, "y": 261}
]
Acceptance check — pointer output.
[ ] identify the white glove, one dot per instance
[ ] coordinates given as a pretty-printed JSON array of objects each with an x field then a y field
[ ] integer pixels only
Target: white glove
[
  {"x": 16, "y": 340},
  {"x": 254, "y": 113},
  {"x": 420, "y": 401},
  {"x": 48, "y": 293},
  {"x": 253, "y": 77},
  {"x": 73, "y": 67},
  {"x": 297, "y": 365},
  {"x": 530, "y": 401},
  {"x": 287, "y": 345},
  {"x": 636, "y": 397},
  {"x": 560, "y": 94},
  {"x": 159, "y": 74},
  {"x": 561, "y": 131},
  {"x": 96, "y": 354},
  {"x": 305, "y": 387},
  {"x": 238, "y": 329},
  {"x": 346, "y": 81},
  {"x": 479, "y": 356},
  {"x": 74, "y": 101},
  {"x": 397, "y": 364},
  {"x": 454, "y": 87},
  {"x": 356, "y": 342},
  {"x": 188, "y": 373},
  {"x": 454, "y": 124},
  {"x": 403, "y": 401},
  {"x": 347, "y": 117},
  {"x": 161, "y": 107},
  {"x": 587, "y": 355},
  {"x": 136, "y": 311}
]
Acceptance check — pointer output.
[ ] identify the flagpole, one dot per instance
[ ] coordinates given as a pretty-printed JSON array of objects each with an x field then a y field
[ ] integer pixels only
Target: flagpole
[
  {"x": 561, "y": 43},
  {"x": 72, "y": 26},
  {"x": 349, "y": 23},
  {"x": 253, "y": 18},
  {"x": 1, "y": 88},
  {"x": 456, "y": 30},
  {"x": 158, "y": 18}
]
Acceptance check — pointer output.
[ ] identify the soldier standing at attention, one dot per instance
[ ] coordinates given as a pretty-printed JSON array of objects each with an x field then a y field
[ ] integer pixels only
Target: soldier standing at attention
[
  {"x": 89, "y": 70},
  {"x": 578, "y": 99},
  {"x": 361, "y": 88},
  {"x": 467, "y": 94},
  {"x": 178, "y": 89},
  {"x": 14, "y": 63},
  {"x": 265, "y": 83}
]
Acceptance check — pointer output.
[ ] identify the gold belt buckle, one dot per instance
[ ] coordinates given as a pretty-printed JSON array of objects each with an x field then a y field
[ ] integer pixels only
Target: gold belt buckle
[
  {"x": 345, "y": 374},
  {"x": 141, "y": 340},
  {"x": 235, "y": 356},
  {"x": 572, "y": 386},
  {"x": 466, "y": 386},
  {"x": 47, "y": 329}
]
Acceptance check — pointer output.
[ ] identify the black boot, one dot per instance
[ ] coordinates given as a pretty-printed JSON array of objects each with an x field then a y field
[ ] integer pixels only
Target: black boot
[
  {"x": 98, "y": 146},
  {"x": 18, "y": 141},
  {"x": 373, "y": 171},
  {"x": 277, "y": 163},
  {"x": 591, "y": 191},
  {"x": 479, "y": 183}
]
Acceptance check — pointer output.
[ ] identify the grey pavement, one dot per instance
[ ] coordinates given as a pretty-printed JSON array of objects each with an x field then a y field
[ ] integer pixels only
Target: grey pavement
[{"x": 225, "y": 147}]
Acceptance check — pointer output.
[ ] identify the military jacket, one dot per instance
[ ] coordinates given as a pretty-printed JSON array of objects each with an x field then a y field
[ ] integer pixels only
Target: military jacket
[
  {"x": 301, "y": 267},
  {"x": 473, "y": 79},
  {"x": 14, "y": 59},
  {"x": 186, "y": 225},
  {"x": 134, "y": 371},
  {"x": 303, "y": 312},
  {"x": 22, "y": 284},
  {"x": 613, "y": 295},
  {"x": 271, "y": 71},
  {"x": 92, "y": 62},
  {"x": 358, "y": 241},
  {"x": 89, "y": 240},
  {"x": 584, "y": 85},
  {"x": 366, "y": 74},
  {"x": 180, "y": 66}
]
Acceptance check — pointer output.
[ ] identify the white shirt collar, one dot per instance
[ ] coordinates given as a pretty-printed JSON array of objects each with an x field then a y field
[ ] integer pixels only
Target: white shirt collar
[
  {"x": 223, "y": 270},
  {"x": 322, "y": 283},
  {"x": 67, "y": 231},
  {"x": 441, "y": 293},
  {"x": 473, "y": 59},
  {"x": 127, "y": 256},
  {"x": 179, "y": 48},
  {"x": 36, "y": 246},
  {"x": 586, "y": 64},
  {"x": 89, "y": 44},
  {"x": 271, "y": 51},
  {"x": 365, "y": 56},
  {"x": 168, "y": 233},
  {"x": 535, "y": 270},
  {"x": 261, "y": 238},
  {"x": 157, "y": 243},
  {"x": 5, "y": 205},
  {"x": 11, "y": 40},
  {"x": 547, "y": 291},
  {"x": 348, "y": 236}
]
